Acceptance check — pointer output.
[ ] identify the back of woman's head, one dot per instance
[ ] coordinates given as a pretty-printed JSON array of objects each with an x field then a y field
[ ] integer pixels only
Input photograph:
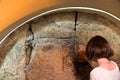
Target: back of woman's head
[{"x": 98, "y": 47}]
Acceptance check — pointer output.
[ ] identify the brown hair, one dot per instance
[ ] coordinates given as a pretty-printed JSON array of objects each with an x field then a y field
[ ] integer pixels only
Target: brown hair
[{"x": 98, "y": 47}]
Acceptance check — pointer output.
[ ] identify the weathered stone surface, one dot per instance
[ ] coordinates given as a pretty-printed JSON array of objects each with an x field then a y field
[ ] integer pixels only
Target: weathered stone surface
[
  {"x": 50, "y": 62},
  {"x": 51, "y": 59},
  {"x": 59, "y": 25},
  {"x": 14, "y": 53},
  {"x": 44, "y": 49},
  {"x": 89, "y": 25}
]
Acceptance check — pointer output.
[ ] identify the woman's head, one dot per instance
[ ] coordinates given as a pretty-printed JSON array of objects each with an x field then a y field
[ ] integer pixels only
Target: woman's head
[{"x": 98, "y": 47}]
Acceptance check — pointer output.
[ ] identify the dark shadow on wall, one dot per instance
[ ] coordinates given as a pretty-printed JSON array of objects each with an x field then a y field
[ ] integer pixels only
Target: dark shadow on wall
[{"x": 82, "y": 70}]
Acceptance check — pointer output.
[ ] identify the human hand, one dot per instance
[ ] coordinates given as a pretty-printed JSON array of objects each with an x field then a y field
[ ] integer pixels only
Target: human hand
[
  {"x": 81, "y": 52},
  {"x": 81, "y": 49},
  {"x": 81, "y": 55}
]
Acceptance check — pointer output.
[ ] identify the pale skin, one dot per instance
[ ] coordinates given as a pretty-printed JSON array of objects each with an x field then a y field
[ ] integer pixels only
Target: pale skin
[
  {"x": 102, "y": 62},
  {"x": 81, "y": 51},
  {"x": 106, "y": 64}
]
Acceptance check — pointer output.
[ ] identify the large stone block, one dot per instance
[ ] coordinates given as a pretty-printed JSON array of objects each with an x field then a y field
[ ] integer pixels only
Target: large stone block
[
  {"x": 12, "y": 55},
  {"x": 59, "y": 25},
  {"x": 50, "y": 61}
]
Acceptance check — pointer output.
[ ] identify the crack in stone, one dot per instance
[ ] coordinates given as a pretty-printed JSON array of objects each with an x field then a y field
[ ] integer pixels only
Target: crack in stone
[
  {"x": 76, "y": 19},
  {"x": 29, "y": 45},
  {"x": 29, "y": 48}
]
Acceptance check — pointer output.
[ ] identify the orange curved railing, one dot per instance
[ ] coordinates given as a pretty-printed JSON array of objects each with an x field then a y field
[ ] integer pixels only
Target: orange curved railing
[{"x": 13, "y": 10}]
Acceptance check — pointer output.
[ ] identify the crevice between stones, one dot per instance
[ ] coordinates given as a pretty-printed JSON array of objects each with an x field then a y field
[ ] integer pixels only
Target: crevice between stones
[
  {"x": 29, "y": 48},
  {"x": 29, "y": 44},
  {"x": 76, "y": 19}
]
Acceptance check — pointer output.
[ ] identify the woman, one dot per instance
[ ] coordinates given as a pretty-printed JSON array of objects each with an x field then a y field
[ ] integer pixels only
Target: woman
[{"x": 99, "y": 50}]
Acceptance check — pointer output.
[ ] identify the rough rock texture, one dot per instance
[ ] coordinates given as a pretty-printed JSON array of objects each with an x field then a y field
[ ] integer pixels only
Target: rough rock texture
[
  {"x": 60, "y": 25},
  {"x": 14, "y": 50},
  {"x": 91, "y": 25},
  {"x": 44, "y": 48},
  {"x": 51, "y": 62}
]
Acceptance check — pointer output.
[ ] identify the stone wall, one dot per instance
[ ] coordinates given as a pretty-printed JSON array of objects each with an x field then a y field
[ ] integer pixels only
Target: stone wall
[{"x": 44, "y": 48}]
